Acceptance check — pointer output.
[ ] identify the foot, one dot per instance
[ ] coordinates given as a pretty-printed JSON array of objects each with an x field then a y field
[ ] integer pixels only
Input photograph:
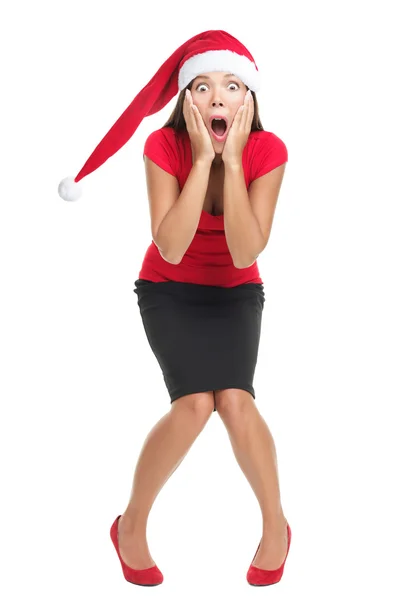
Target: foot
[
  {"x": 273, "y": 548},
  {"x": 133, "y": 548}
]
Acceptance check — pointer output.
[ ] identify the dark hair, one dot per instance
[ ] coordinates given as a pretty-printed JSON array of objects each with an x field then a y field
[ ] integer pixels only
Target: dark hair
[{"x": 178, "y": 123}]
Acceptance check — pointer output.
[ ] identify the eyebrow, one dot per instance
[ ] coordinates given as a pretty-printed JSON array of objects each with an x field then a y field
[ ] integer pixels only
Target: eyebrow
[{"x": 206, "y": 77}]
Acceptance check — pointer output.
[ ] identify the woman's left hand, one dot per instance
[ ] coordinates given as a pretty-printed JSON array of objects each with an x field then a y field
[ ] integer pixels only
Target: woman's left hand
[{"x": 239, "y": 132}]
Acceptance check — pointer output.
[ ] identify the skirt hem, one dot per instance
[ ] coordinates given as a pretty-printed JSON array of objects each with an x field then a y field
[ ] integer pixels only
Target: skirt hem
[{"x": 236, "y": 386}]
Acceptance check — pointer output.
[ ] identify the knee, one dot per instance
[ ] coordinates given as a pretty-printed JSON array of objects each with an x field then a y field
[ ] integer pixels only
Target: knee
[
  {"x": 233, "y": 404},
  {"x": 200, "y": 405}
]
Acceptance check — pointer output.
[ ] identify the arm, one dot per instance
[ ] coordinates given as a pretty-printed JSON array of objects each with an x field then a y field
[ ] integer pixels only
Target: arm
[
  {"x": 248, "y": 216},
  {"x": 179, "y": 226}
]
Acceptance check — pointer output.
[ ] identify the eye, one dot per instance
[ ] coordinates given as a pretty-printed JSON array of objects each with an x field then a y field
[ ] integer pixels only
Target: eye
[{"x": 204, "y": 84}]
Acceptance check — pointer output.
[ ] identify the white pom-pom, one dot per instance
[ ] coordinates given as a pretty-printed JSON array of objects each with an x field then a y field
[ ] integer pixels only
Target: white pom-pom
[{"x": 69, "y": 190}]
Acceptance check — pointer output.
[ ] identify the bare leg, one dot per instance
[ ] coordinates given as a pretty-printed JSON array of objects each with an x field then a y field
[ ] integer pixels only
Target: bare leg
[
  {"x": 163, "y": 450},
  {"x": 254, "y": 449}
]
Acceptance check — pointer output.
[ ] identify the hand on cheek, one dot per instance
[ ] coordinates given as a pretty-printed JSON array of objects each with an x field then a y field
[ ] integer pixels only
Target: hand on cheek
[{"x": 239, "y": 131}]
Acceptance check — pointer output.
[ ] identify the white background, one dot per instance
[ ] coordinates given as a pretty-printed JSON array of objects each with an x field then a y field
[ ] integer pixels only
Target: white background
[{"x": 80, "y": 387}]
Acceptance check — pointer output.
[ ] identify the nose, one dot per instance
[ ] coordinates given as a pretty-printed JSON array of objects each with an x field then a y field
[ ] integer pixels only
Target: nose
[{"x": 217, "y": 103}]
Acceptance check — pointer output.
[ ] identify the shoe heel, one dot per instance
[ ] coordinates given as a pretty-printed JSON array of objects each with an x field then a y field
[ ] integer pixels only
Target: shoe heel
[
  {"x": 256, "y": 576},
  {"x": 150, "y": 576}
]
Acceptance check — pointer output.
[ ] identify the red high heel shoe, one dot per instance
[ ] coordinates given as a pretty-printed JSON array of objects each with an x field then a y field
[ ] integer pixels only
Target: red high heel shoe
[
  {"x": 150, "y": 576},
  {"x": 256, "y": 576}
]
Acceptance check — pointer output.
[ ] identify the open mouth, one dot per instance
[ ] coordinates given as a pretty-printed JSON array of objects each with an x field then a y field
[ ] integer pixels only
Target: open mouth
[{"x": 218, "y": 126}]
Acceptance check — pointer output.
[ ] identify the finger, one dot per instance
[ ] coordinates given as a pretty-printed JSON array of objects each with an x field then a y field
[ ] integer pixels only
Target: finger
[
  {"x": 199, "y": 120},
  {"x": 190, "y": 112},
  {"x": 196, "y": 116},
  {"x": 187, "y": 115},
  {"x": 190, "y": 100},
  {"x": 246, "y": 107},
  {"x": 194, "y": 109},
  {"x": 251, "y": 106},
  {"x": 247, "y": 112},
  {"x": 196, "y": 113},
  {"x": 241, "y": 115}
]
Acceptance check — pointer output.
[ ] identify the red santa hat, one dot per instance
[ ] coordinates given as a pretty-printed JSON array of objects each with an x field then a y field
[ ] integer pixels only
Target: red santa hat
[{"x": 212, "y": 50}]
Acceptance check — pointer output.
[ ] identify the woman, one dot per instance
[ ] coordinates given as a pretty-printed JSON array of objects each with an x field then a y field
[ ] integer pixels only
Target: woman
[{"x": 213, "y": 179}]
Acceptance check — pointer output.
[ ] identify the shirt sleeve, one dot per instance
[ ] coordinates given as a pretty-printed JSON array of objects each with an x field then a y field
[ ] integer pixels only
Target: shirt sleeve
[
  {"x": 269, "y": 152},
  {"x": 159, "y": 149}
]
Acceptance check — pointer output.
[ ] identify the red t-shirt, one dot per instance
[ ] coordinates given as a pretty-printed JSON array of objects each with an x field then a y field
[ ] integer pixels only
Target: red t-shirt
[{"x": 207, "y": 260}]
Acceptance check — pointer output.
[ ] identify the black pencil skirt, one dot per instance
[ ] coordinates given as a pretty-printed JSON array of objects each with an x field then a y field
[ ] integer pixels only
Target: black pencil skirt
[{"x": 204, "y": 337}]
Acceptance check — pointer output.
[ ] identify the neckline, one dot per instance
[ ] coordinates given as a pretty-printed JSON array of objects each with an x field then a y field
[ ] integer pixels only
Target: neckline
[
  {"x": 213, "y": 216},
  {"x": 188, "y": 145}
]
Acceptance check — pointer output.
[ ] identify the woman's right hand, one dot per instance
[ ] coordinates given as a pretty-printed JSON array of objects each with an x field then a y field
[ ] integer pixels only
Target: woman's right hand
[{"x": 201, "y": 142}]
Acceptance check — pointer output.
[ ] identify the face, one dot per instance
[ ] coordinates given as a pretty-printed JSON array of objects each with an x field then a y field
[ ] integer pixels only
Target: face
[{"x": 220, "y": 94}]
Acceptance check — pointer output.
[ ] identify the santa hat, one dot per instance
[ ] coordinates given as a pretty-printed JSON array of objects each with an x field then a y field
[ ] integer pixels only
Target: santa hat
[{"x": 213, "y": 50}]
